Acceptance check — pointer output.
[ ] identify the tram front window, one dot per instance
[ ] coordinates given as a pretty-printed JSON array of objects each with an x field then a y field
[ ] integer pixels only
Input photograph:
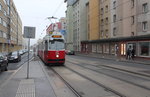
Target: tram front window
[{"x": 56, "y": 45}]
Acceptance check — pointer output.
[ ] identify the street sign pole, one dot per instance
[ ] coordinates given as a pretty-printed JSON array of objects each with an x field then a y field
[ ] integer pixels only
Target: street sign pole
[
  {"x": 29, "y": 32},
  {"x": 28, "y": 59}
]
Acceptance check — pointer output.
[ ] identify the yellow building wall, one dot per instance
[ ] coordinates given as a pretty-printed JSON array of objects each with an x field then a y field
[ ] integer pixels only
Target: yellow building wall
[{"x": 94, "y": 19}]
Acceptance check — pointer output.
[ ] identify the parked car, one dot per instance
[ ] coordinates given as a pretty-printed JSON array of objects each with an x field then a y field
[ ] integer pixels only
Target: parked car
[
  {"x": 14, "y": 56},
  {"x": 3, "y": 62},
  {"x": 70, "y": 52},
  {"x": 21, "y": 52}
]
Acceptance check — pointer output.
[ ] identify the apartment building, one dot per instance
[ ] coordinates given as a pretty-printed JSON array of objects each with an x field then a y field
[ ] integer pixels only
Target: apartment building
[
  {"x": 123, "y": 23},
  {"x": 143, "y": 28},
  {"x": 79, "y": 22},
  {"x": 10, "y": 27}
]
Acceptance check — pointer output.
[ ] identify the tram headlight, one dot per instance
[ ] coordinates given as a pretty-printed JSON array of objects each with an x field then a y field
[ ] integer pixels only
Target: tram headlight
[{"x": 57, "y": 56}]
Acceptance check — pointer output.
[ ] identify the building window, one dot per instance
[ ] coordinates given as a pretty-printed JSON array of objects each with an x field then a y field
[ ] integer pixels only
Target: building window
[
  {"x": 102, "y": 22},
  {"x": 8, "y": 2},
  {"x": 94, "y": 48},
  {"x": 99, "y": 48},
  {"x": 106, "y": 48},
  {"x": 144, "y": 48},
  {"x": 132, "y": 33},
  {"x": 114, "y": 18},
  {"x": 1, "y": 22},
  {"x": 112, "y": 48},
  {"x": 114, "y": 4},
  {"x": 4, "y": 35},
  {"x": 145, "y": 25},
  {"x": 1, "y": 33},
  {"x": 132, "y": 20},
  {"x": 106, "y": 20},
  {"x": 5, "y": 1},
  {"x": 5, "y": 13},
  {"x": 106, "y": 9},
  {"x": 4, "y": 24},
  {"x": 114, "y": 31},
  {"x": 102, "y": 11},
  {"x": 123, "y": 49},
  {"x": 145, "y": 8},
  {"x": 102, "y": 33},
  {"x": 8, "y": 10},
  {"x": 106, "y": 33},
  {"x": 0, "y": 7},
  {"x": 132, "y": 3}
]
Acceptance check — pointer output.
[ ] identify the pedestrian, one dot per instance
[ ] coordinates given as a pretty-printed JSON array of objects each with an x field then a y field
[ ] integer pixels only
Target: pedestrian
[
  {"x": 133, "y": 53},
  {"x": 128, "y": 54}
]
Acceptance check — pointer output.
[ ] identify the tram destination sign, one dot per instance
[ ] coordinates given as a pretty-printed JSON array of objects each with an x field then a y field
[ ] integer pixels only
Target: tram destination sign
[{"x": 29, "y": 32}]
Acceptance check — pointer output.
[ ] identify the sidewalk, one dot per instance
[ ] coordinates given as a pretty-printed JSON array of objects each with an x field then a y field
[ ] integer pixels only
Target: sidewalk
[
  {"x": 112, "y": 57},
  {"x": 36, "y": 86}
]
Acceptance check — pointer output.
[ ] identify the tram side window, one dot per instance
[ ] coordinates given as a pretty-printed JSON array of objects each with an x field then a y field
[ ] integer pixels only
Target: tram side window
[
  {"x": 46, "y": 45},
  {"x": 52, "y": 45}
]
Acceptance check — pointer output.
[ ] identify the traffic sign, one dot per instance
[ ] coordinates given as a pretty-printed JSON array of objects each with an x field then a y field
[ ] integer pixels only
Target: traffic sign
[{"x": 29, "y": 32}]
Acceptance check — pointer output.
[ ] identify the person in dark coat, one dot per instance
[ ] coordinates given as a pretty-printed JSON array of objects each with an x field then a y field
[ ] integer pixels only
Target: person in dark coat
[
  {"x": 128, "y": 53},
  {"x": 133, "y": 53}
]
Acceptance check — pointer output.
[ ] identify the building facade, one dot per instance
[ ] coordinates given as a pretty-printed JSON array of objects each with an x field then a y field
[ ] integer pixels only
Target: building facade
[
  {"x": 79, "y": 21},
  {"x": 10, "y": 27},
  {"x": 112, "y": 26},
  {"x": 105, "y": 18},
  {"x": 69, "y": 27},
  {"x": 93, "y": 19},
  {"x": 123, "y": 23}
]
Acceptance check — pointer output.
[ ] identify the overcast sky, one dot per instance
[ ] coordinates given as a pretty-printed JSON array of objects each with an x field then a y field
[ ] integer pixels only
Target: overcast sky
[{"x": 34, "y": 12}]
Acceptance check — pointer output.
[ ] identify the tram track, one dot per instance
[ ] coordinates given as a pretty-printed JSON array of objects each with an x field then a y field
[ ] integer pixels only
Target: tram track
[
  {"x": 116, "y": 68},
  {"x": 78, "y": 93},
  {"x": 147, "y": 88},
  {"x": 97, "y": 83},
  {"x": 132, "y": 72},
  {"x": 61, "y": 78},
  {"x": 68, "y": 85}
]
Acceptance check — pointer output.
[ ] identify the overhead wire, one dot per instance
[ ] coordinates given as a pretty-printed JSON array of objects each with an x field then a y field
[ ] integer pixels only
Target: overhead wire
[{"x": 58, "y": 7}]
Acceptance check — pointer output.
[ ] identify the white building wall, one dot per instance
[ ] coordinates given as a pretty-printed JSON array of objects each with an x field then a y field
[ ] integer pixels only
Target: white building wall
[
  {"x": 69, "y": 28},
  {"x": 76, "y": 26}
]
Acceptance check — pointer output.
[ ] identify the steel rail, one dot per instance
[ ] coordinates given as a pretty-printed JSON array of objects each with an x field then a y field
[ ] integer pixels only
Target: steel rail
[
  {"x": 132, "y": 72},
  {"x": 68, "y": 85},
  {"x": 99, "y": 84},
  {"x": 115, "y": 77}
]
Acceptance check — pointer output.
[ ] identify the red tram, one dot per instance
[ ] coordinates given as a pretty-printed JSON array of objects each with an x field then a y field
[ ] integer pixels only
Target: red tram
[{"x": 52, "y": 49}]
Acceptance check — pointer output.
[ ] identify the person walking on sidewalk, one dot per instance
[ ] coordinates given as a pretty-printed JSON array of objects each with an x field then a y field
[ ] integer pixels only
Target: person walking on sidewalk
[
  {"x": 133, "y": 53},
  {"x": 128, "y": 54}
]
